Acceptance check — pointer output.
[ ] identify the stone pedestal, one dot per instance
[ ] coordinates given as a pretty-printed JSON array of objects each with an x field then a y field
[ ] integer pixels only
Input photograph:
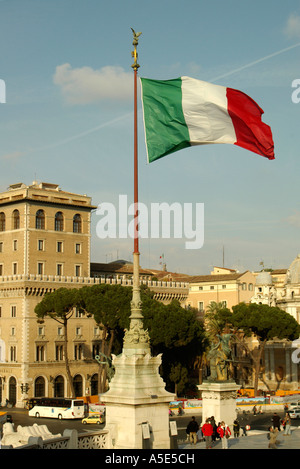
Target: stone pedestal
[
  {"x": 137, "y": 404},
  {"x": 137, "y": 396},
  {"x": 219, "y": 400}
]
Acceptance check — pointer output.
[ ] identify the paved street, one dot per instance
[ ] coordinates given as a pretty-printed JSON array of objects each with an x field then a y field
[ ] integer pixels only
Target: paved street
[{"x": 256, "y": 438}]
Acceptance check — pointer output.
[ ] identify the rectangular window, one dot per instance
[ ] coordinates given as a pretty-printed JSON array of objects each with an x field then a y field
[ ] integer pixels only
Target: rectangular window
[
  {"x": 15, "y": 244},
  {"x": 40, "y": 268},
  {"x": 15, "y": 268},
  {"x": 77, "y": 248},
  {"x": 77, "y": 270},
  {"x": 1, "y": 270},
  {"x": 59, "y": 269},
  {"x": 60, "y": 246},
  {"x": 200, "y": 306},
  {"x": 78, "y": 352},
  {"x": 13, "y": 354},
  {"x": 40, "y": 245},
  {"x": 13, "y": 311},
  {"x": 0, "y": 311},
  {"x": 59, "y": 352},
  {"x": 40, "y": 353},
  {"x": 1, "y": 246}
]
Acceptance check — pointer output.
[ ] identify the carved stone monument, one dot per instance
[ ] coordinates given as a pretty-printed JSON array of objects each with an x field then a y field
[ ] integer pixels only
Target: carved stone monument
[
  {"x": 137, "y": 404},
  {"x": 219, "y": 391}
]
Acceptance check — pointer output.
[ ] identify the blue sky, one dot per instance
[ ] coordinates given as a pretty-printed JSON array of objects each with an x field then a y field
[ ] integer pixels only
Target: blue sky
[{"x": 68, "y": 117}]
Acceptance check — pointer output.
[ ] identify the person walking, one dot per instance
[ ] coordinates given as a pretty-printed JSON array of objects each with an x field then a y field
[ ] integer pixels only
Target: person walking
[
  {"x": 215, "y": 426},
  {"x": 224, "y": 432},
  {"x": 207, "y": 431},
  {"x": 276, "y": 421},
  {"x": 236, "y": 429},
  {"x": 191, "y": 430},
  {"x": 287, "y": 424}
]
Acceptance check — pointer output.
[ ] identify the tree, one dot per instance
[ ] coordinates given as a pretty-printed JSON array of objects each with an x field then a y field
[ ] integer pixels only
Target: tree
[
  {"x": 265, "y": 323},
  {"x": 110, "y": 307},
  {"x": 177, "y": 334},
  {"x": 60, "y": 305}
]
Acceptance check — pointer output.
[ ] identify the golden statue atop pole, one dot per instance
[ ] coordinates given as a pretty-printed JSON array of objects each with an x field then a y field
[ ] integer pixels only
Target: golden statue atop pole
[{"x": 134, "y": 54}]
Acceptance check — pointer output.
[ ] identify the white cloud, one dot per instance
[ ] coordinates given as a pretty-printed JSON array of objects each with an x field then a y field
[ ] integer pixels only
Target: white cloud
[
  {"x": 85, "y": 85},
  {"x": 294, "y": 219},
  {"x": 292, "y": 27}
]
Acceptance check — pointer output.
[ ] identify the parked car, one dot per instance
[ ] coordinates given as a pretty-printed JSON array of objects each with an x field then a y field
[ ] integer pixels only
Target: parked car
[
  {"x": 292, "y": 405},
  {"x": 96, "y": 419},
  {"x": 295, "y": 413}
]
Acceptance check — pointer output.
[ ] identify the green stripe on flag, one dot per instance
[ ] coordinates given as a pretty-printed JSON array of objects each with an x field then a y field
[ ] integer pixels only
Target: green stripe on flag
[{"x": 165, "y": 127}]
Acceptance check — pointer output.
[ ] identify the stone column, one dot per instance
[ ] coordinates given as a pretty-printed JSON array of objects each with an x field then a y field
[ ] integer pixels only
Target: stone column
[{"x": 219, "y": 400}]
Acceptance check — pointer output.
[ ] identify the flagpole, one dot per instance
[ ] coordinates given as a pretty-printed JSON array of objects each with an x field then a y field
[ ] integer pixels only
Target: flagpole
[{"x": 136, "y": 338}]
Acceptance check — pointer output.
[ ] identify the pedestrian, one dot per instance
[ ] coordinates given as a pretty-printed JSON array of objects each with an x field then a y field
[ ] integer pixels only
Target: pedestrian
[
  {"x": 236, "y": 429},
  {"x": 287, "y": 424},
  {"x": 272, "y": 436},
  {"x": 254, "y": 410},
  {"x": 224, "y": 432},
  {"x": 192, "y": 429},
  {"x": 276, "y": 421},
  {"x": 214, "y": 425},
  {"x": 207, "y": 430}
]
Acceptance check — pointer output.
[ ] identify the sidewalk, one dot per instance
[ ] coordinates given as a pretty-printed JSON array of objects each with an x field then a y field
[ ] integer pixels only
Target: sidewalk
[{"x": 256, "y": 439}]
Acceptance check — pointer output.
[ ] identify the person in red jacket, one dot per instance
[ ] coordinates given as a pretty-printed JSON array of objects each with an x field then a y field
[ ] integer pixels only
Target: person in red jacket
[
  {"x": 207, "y": 430},
  {"x": 224, "y": 432}
]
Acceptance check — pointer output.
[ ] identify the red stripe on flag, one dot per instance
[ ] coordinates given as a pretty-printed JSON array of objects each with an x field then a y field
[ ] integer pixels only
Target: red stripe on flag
[{"x": 251, "y": 132}]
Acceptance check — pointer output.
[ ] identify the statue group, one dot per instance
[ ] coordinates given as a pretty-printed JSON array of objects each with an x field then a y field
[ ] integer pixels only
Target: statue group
[{"x": 219, "y": 357}]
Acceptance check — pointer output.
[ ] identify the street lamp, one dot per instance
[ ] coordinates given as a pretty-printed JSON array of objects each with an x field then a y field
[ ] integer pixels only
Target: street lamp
[{"x": 24, "y": 388}]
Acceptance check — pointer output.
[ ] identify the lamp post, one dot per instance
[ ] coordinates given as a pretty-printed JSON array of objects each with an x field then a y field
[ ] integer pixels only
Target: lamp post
[{"x": 24, "y": 388}]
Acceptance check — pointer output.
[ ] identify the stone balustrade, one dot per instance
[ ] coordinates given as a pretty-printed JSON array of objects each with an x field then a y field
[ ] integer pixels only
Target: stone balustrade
[
  {"x": 89, "y": 280},
  {"x": 71, "y": 439}
]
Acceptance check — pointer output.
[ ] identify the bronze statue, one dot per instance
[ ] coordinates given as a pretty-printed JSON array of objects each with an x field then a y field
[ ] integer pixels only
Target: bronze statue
[{"x": 219, "y": 357}]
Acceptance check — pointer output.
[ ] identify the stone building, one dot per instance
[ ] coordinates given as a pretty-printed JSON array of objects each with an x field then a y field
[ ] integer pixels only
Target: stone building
[
  {"x": 44, "y": 245},
  {"x": 280, "y": 288},
  {"x": 221, "y": 286}
]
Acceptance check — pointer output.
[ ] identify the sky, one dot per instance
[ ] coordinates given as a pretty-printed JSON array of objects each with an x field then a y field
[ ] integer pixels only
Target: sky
[{"x": 68, "y": 118}]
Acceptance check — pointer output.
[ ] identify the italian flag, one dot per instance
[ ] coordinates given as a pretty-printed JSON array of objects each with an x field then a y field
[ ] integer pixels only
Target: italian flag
[{"x": 183, "y": 112}]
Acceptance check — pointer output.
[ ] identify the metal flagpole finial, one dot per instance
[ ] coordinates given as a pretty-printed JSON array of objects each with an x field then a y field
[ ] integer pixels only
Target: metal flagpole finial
[{"x": 134, "y": 53}]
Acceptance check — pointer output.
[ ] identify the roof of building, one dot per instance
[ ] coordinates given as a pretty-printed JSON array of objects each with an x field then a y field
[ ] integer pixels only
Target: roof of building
[
  {"x": 216, "y": 277},
  {"x": 116, "y": 267}
]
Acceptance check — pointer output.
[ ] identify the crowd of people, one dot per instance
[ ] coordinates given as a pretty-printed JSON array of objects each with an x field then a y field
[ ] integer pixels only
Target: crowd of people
[{"x": 210, "y": 431}]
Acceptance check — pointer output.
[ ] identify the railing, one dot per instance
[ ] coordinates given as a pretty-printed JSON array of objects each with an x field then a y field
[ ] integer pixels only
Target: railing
[
  {"x": 89, "y": 280},
  {"x": 70, "y": 440}
]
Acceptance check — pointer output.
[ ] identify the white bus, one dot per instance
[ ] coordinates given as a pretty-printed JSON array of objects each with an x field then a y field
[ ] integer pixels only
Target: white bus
[{"x": 56, "y": 407}]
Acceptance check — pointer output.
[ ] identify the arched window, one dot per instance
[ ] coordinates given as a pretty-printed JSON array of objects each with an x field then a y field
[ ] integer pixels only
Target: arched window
[
  {"x": 77, "y": 223},
  {"x": 78, "y": 385},
  {"x": 59, "y": 222},
  {"x": 39, "y": 387},
  {"x": 2, "y": 221},
  {"x": 40, "y": 220},
  {"x": 16, "y": 220},
  {"x": 59, "y": 386}
]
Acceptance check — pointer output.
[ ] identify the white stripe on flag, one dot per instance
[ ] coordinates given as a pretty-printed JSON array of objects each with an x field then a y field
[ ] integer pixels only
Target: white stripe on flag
[{"x": 205, "y": 111}]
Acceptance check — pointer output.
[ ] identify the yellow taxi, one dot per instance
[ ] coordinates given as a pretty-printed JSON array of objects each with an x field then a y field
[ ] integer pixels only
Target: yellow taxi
[{"x": 94, "y": 418}]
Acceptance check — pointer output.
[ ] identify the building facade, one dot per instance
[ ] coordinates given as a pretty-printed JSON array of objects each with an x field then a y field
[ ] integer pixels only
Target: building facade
[
  {"x": 44, "y": 245},
  {"x": 221, "y": 286}
]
